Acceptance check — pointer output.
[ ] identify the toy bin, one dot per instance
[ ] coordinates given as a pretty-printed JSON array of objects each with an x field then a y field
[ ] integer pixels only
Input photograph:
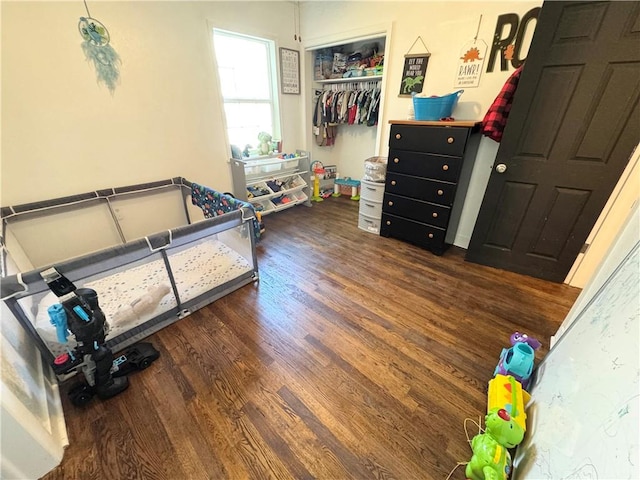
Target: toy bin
[
  {"x": 375, "y": 169},
  {"x": 435, "y": 108}
]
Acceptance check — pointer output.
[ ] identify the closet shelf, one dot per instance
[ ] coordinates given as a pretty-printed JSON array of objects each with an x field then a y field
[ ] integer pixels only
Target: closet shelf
[{"x": 367, "y": 78}]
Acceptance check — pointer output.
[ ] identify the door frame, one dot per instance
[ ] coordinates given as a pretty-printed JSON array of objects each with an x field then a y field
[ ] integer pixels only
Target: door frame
[{"x": 609, "y": 224}]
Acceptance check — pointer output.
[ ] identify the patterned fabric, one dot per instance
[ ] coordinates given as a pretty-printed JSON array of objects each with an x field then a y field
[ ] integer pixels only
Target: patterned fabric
[
  {"x": 496, "y": 118},
  {"x": 215, "y": 203}
]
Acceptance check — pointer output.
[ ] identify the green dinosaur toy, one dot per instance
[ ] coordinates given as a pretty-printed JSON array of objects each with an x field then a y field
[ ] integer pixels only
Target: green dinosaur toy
[{"x": 491, "y": 459}]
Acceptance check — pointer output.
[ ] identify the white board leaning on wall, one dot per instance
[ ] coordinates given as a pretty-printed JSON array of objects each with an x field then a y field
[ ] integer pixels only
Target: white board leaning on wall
[{"x": 584, "y": 417}]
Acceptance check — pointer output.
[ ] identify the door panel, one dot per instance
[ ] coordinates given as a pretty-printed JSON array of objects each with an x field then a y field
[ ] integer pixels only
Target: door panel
[
  {"x": 550, "y": 102},
  {"x": 567, "y": 203},
  {"x": 574, "y": 122},
  {"x": 512, "y": 207}
]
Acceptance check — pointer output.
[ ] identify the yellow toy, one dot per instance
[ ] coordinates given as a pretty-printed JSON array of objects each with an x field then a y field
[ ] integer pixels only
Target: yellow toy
[
  {"x": 507, "y": 393},
  {"x": 316, "y": 197}
]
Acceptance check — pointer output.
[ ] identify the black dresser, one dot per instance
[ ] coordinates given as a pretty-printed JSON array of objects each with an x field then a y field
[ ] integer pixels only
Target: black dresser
[{"x": 428, "y": 174}]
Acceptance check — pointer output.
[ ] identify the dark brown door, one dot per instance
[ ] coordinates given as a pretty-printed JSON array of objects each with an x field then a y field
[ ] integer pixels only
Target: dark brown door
[{"x": 574, "y": 123}]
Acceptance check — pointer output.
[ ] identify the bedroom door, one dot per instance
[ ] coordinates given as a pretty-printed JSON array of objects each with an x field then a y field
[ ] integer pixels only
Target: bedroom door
[{"x": 572, "y": 128}]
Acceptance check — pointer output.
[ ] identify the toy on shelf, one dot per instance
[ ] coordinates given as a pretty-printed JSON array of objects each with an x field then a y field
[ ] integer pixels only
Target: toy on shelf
[
  {"x": 265, "y": 143},
  {"x": 491, "y": 459},
  {"x": 518, "y": 360},
  {"x": 349, "y": 182},
  {"x": 506, "y": 392}
]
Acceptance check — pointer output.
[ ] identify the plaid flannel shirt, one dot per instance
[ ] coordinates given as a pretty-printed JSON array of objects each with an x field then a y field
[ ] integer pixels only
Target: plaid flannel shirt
[{"x": 496, "y": 118}]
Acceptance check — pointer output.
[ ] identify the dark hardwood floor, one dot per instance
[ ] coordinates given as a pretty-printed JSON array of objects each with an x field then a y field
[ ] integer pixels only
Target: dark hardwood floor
[{"x": 354, "y": 356}]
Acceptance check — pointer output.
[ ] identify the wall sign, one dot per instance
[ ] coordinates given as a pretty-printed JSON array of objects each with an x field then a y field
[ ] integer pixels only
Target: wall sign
[
  {"x": 415, "y": 68},
  {"x": 510, "y": 47},
  {"x": 470, "y": 64},
  {"x": 289, "y": 71}
]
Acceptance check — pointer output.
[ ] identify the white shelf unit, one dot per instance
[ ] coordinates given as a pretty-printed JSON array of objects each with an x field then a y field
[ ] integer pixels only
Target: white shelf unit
[{"x": 260, "y": 174}]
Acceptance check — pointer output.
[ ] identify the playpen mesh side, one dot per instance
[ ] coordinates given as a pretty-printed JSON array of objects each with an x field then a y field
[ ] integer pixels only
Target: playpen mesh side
[{"x": 225, "y": 239}]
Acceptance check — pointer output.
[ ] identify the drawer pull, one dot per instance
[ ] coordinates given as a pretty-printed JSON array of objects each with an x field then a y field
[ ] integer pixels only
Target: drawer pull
[
  {"x": 434, "y": 215},
  {"x": 440, "y": 192},
  {"x": 398, "y": 136},
  {"x": 369, "y": 205},
  {"x": 450, "y": 140},
  {"x": 445, "y": 167},
  {"x": 390, "y": 203},
  {"x": 430, "y": 235},
  {"x": 396, "y": 160},
  {"x": 388, "y": 222},
  {"x": 371, "y": 189},
  {"x": 393, "y": 182}
]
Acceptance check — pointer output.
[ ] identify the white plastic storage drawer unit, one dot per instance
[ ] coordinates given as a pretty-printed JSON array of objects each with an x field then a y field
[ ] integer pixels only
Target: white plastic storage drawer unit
[
  {"x": 370, "y": 209},
  {"x": 371, "y": 195},
  {"x": 369, "y": 224},
  {"x": 372, "y": 191}
]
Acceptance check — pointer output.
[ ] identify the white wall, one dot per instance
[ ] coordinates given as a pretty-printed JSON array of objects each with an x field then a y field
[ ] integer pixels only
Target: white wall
[
  {"x": 63, "y": 133},
  {"x": 445, "y": 27}
]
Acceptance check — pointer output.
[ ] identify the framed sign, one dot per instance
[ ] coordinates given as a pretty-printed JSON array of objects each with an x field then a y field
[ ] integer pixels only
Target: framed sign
[
  {"x": 415, "y": 68},
  {"x": 470, "y": 64},
  {"x": 289, "y": 71}
]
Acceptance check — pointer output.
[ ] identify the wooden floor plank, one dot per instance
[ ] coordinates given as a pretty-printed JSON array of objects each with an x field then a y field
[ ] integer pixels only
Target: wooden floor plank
[{"x": 354, "y": 356}]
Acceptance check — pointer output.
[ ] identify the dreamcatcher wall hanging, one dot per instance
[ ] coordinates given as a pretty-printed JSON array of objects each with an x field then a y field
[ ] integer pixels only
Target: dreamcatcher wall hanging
[{"x": 97, "y": 50}]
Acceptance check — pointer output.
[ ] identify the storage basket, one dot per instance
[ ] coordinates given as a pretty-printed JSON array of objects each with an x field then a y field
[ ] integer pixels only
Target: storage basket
[
  {"x": 375, "y": 169},
  {"x": 435, "y": 108}
]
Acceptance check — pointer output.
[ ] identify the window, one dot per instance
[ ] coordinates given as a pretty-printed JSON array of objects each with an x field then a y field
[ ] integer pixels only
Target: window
[{"x": 246, "y": 68}]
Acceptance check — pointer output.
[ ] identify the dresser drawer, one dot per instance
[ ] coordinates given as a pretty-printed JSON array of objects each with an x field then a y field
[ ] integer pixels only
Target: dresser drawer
[
  {"x": 415, "y": 232},
  {"x": 438, "y": 167},
  {"x": 370, "y": 209},
  {"x": 371, "y": 191},
  {"x": 418, "y": 210},
  {"x": 442, "y": 140},
  {"x": 421, "y": 188}
]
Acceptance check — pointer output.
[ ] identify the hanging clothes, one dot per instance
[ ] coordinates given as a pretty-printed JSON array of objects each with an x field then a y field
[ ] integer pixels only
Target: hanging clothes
[
  {"x": 344, "y": 104},
  {"x": 496, "y": 117}
]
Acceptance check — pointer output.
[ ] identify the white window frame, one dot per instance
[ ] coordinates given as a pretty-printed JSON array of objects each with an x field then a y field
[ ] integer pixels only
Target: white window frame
[{"x": 273, "y": 99}]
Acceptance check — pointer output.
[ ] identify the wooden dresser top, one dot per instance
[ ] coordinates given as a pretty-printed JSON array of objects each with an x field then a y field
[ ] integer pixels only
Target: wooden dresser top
[{"x": 455, "y": 123}]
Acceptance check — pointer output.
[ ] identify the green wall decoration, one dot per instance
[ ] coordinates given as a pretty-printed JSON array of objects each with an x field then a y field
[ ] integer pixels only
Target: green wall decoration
[{"x": 414, "y": 71}]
